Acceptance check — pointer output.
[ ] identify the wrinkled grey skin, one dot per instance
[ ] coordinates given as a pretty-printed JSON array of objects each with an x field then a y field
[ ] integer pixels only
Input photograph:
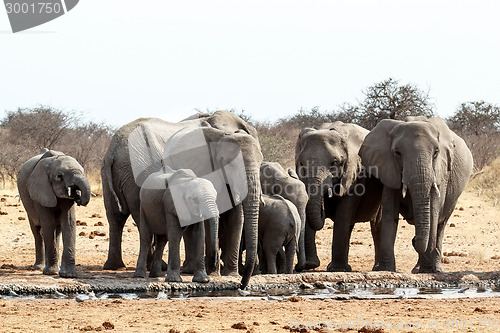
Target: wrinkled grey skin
[
  {"x": 49, "y": 184},
  {"x": 275, "y": 180},
  {"x": 160, "y": 215},
  {"x": 121, "y": 193},
  {"x": 328, "y": 163},
  {"x": 425, "y": 158},
  {"x": 279, "y": 222}
]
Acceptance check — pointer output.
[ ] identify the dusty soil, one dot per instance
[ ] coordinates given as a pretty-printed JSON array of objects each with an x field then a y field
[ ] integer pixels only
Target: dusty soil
[{"x": 471, "y": 251}]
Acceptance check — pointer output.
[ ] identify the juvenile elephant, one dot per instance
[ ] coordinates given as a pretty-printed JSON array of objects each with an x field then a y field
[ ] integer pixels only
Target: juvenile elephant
[
  {"x": 279, "y": 222},
  {"x": 49, "y": 184},
  {"x": 328, "y": 163},
  {"x": 275, "y": 180},
  {"x": 424, "y": 168},
  {"x": 122, "y": 179},
  {"x": 174, "y": 202}
]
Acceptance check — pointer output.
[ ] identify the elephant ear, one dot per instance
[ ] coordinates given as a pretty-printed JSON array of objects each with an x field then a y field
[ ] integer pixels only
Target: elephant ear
[
  {"x": 353, "y": 136},
  {"x": 376, "y": 154},
  {"x": 446, "y": 145},
  {"x": 39, "y": 185},
  {"x": 298, "y": 145}
]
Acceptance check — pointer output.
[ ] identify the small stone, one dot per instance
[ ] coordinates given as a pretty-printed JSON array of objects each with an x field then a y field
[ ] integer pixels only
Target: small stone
[
  {"x": 445, "y": 260},
  {"x": 21, "y": 218},
  {"x": 108, "y": 325},
  {"x": 452, "y": 225},
  {"x": 82, "y": 234},
  {"x": 98, "y": 224},
  {"x": 240, "y": 326}
]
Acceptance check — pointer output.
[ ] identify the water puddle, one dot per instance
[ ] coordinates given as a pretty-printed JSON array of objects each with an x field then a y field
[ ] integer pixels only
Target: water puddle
[{"x": 323, "y": 291}]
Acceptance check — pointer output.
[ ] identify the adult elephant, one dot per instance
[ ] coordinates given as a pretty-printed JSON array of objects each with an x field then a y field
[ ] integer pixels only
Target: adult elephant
[
  {"x": 49, "y": 184},
  {"x": 174, "y": 202},
  {"x": 275, "y": 180},
  {"x": 424, "y": 167},
  {"x": 328, "y": 163},
  {"x": 225, "y": 134}
]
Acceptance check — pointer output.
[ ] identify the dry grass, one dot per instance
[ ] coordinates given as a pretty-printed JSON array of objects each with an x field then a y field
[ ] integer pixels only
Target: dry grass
[{"x": 485, "y": 182}]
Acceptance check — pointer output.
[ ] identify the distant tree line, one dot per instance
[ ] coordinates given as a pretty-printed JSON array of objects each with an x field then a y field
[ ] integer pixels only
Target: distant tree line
[
  {"x": 24, "y": 132},
  {"x": 477, "y": 122}
]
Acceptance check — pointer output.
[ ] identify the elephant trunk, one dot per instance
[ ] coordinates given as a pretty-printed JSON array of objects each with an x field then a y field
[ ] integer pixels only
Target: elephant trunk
[
  {"x": 251, "y": 223},
  {"x": 79, "y": 189},
  {"x": 214, "y": 240},
  {"x": 315, "y": 215},
  {"x": 420, "y": 188}
]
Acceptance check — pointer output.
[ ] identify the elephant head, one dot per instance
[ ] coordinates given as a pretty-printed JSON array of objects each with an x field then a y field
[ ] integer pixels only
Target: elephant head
[
  {"x": 327, "y": 161},
  {"x": 58, "y": 176},
  {"x": 416, "y": 157}
]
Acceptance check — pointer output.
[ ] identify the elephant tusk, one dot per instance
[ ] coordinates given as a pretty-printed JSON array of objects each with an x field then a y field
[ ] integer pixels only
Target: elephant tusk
[
  {"x": 330, "y": 192},
  {"x": 405, "y": 189},
  {"x": 69, "y": 191},
  {"x": 261, "y": 199},
  {"x": 434, "y": 185}
]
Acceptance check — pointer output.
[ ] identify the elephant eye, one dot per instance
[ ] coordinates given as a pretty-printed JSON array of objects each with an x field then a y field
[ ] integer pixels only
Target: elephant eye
[
  {"x": 436, "y": 152},
  {"x": 59, "y": 177},
  {"x": 397, "y": 152}
]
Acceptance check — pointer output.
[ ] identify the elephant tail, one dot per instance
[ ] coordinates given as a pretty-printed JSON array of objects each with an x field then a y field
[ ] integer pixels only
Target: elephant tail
[{"x": 107, "y": 173}]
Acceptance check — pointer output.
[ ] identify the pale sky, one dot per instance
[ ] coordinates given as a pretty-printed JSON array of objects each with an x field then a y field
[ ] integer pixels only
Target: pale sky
[{"x": 117, "y": 60}]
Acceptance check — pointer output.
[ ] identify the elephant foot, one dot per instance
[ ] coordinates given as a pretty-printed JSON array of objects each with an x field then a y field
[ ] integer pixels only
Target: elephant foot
[
  {"x": 387, "y": 268},
  {"x": 333, "y": 267},
  {"x": 312, "y": 263},
  {"x": 153, "y": 273},
  {"x": 114, "y": 265},
  {"x": 188, "y": 267},
  {"x": 67, "y": 272},
  {"x": 139, "y": 273},
  {"x": 427, "y": 269},
  {"x": 300, "y": 267},
  {"x": 201, "y": 277},
  {"x": 173, "y": 276},
  {"x": 51, "y": 270},
  {"x": 38, "y": 266},
  {"x": 229, "y": 272}
]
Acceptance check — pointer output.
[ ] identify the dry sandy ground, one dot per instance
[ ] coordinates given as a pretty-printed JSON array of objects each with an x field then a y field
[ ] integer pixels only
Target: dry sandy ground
[{"x": 471, "y": 245}]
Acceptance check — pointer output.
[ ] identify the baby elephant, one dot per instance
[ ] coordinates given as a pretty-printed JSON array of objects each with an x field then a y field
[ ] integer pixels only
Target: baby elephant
[
  {"x": 279, "y": 226},
  {"x": 49, "y": 184},
  {"x": 174, "y": 202}
]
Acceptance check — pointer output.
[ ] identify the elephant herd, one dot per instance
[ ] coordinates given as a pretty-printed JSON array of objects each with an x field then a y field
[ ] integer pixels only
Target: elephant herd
[{"x": 204, "y": 180}]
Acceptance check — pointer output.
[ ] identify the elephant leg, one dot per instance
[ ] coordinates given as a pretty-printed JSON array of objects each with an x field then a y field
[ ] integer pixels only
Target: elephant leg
[
  {"x": 51, "y": 248},
  {"x": 230, "y": 245},
  {"x": 375, "y": 230},
  {"x": 312, "y": 259},
  {"x": 39, "y": 248},
  {"x": 145, "y": 239},
  {"x": 430, "y": 261},
  {"x": 301, "y": 255},
  {"x": 174, "y": 231},
  {"x": 281, "y": 261},
  {"x": 340, "y": 247},
  {"x": 439, "y": 247},
  {"x": 116, "y": 224},
  {"x": 290, "y": 250},
  {"x": 388, "y": 229},
  {"x": 68, "y": 229},
  {"x": 198, "y": 233},
  {"x": 189, "y": 263},
  {"x": 155, "y": 269}
]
